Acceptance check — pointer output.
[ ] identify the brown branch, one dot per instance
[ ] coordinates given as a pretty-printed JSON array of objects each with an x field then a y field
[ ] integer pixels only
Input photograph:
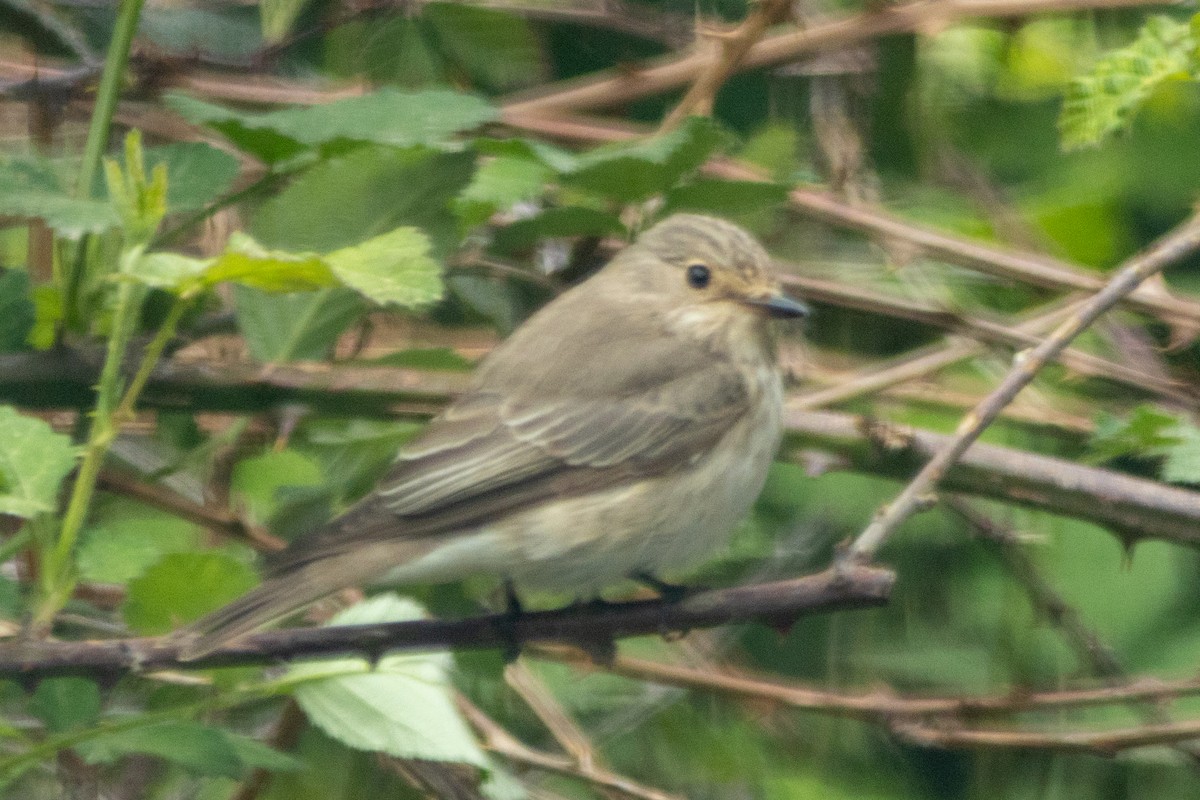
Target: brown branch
[
  {"x": 1101, "y": 742},
  {"x": 618, "y": 87},
  {"x": 875, "y": 705},
  {"x": 1014, "y": 334},
  {"x": 590, "y": 626},
  {"x": 918, "y": 494},
  {"x": 504, "y": 744},
  {"x": 731, "y": 46},
  {"x": 1130, "y": 507},
  {"x": 542, "y": 702}
]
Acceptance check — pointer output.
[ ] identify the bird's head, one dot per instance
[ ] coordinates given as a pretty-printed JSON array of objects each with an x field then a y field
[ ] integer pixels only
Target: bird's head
[{"x": 710, "y": 276}]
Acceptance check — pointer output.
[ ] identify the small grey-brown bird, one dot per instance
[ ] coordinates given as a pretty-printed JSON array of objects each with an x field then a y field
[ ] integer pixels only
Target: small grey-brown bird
[{"x": 622, "y": 430}]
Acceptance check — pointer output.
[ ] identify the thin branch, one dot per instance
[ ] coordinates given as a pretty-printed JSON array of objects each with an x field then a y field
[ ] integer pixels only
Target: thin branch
[
  {"x": 875, "y": 705},
  {"x": 1018, "y": 335},
  {"x": 1101, "y": 742},
  {"x": 542, "y": 702},
  {"x": 1131, "y": 508},
  {"x": 592, "y": 626},
  {"x": 731, "y": 47},
  {"x": 504, "y": 744},
  {"x": 918, "y": 494},
  {"x": 618, "y": 87}
]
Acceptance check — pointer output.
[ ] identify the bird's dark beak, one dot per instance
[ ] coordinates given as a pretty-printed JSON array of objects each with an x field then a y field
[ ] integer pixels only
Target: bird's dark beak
[{"x": 781, "y": 306}]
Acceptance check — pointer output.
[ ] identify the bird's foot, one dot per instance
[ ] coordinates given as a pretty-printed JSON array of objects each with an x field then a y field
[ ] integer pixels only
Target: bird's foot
[
  {"x": 671, "y": 592},
  {"x": 507, "y": 623}
]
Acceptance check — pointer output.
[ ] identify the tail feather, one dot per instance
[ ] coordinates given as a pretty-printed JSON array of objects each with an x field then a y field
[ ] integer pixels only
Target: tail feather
[
  {"x": 270, "y": 602},
  {"x": 293, "y": 587}
]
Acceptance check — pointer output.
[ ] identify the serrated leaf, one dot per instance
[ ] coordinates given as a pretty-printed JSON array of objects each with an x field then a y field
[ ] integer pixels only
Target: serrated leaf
[
  {"x": 499, "y": 184},
  {"x": 17, "y": 312},
  {"x": 387, "y": 117},
  {"x": 262, "y": 142},
  {"x": 253, "y": 753},
  {"x": 250, "y": 264},
  {"x": 1182, "y": 464},
  {"x": 558, "y": 222},
  {"x": 198, "y": 173},
  {"x": 257, "y": 480},
  {"x": 33, "y": 462},
  {"x": 724, "y": 197},
  {"x": 496, "y": 48},
  {"x": 346, "y": 199},
  {"x": 119, "y": 549},
  {"x": 196, "y": 747},
  {"x": 287, "y": 327},
  {"x": 181, "y": 588},
  {"x": 393, "y": 268},
  {"x": 1104, "y": 100},
  {"x": 278, "y": 16},
  {"x": 65, "y": 704},
  {"x": 171, "y": 271},
  {"x": 70, "y": 217},
  {"x": 402, "y": 707},
  {"x": 634, "y": 171}
]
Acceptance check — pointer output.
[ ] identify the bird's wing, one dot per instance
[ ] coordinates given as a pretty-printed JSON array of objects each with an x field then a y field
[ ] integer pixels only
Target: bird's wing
[{"x": 490, "y": 455}]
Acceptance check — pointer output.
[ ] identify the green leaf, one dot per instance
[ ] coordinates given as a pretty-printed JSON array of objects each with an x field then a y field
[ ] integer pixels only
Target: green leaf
[
  {"x": 70, "y": 218},
  {"x": 387, "y": 117},
  {"x": 392, "y": 268},
  {"x": 17, "y": 312},
  {"x": 47, "y": 313},
  {"x": 1104, "y": 100},
  {"x": 231, "y": 33},
  {"x": 278, "y": 17},
  {"x": 555, "y": 222},
  {"x": 556, "y": 159},
  {"x": 31, "y": 189},
  {"x": 634, "y": 171},
  {"x": 262, "y": 142},
  {"x": 181, "y": 588},
  {"x": 33, "y": 462},
  {"x": 257, "y": 480},
  {"x": 497, "y": 49},
  {"x": 430, "y": 358},
  {"x": 289, "y": 327},
  {"x": 66, "y": 703},
  {"x": 125, "y": 542},
  {"x": 402, "y": 707},
  {"x": 349, "y": 198},
  {"x": 198, "y": 748},
  {"x": 724, "y": 197},
  {"x": 171, "y": 271},
  {"x": 247, "y": 262},
  {"x": 1182, "y": 464},
  {"x": 499, "y": 184},
  {"x": 253, "y": 753},
  {"x": 198, "y": 173}
]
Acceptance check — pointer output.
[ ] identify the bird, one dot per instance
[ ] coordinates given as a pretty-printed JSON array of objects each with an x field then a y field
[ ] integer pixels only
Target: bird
[{"x": 623, "y": 430}]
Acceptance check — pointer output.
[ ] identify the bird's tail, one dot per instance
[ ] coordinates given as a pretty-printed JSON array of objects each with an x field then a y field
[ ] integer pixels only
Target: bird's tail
[
  {"x": 274, "y": 599},
  {"x": 305, "y": 576}
]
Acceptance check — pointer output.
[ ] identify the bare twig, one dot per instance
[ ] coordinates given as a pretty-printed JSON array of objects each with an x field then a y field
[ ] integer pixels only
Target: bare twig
[
  {"x": 541, "y": 701},
  {"x": 731, "y": 48},
  {"x": 917, "y": 495},
  {"x": 1101, "y": 742},
  {"x": 618, "y": 87},
  {"x": 502, "y": 743},
  {"x": 1129, "y": 507},
  {"x": 877, "y": 704}
]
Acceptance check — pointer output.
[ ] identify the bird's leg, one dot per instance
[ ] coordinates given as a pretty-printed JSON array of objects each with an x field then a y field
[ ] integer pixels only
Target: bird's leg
[
  {"x": 508, "y": 622},
  {"x": 671, "y": 592}
]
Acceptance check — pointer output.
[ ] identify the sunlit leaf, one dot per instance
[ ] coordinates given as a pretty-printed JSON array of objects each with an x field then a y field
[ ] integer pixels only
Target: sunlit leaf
[{"x": 33, "y": 462}]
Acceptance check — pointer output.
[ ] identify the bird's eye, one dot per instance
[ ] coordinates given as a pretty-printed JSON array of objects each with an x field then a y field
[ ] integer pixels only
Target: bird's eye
[{"x": 698, "y": 276}]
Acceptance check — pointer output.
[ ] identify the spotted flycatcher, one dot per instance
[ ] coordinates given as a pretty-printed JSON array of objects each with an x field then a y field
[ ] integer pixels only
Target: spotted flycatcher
[{"x": 623, "y": 430}]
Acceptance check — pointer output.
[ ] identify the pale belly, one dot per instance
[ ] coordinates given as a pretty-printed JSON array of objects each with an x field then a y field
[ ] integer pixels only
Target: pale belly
[{"x": 581, "y": 545}]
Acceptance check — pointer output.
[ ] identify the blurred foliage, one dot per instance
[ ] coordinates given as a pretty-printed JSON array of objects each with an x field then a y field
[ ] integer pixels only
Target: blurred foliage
[{"x": 296, "y": 232}]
